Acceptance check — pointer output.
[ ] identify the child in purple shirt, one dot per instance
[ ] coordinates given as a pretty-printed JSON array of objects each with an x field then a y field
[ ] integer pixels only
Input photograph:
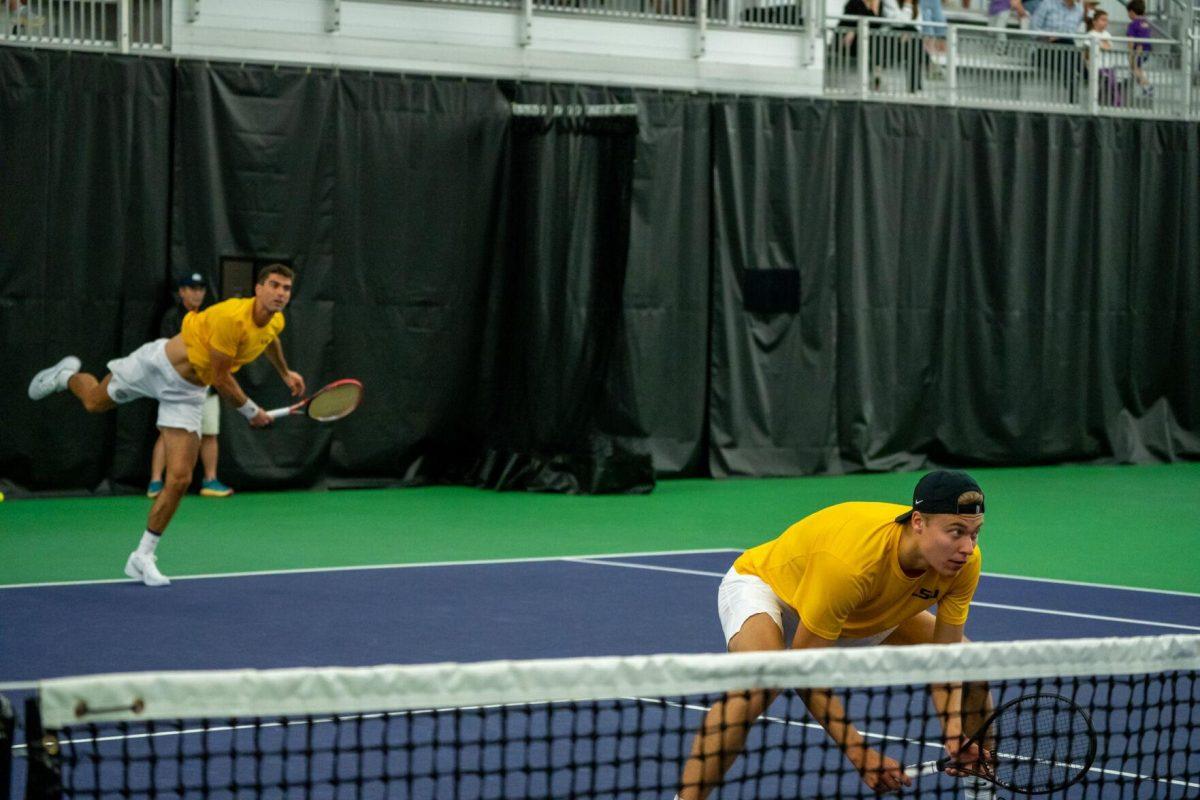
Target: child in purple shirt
[
  {"x": 1139, "y": 52},
  {"x": 998, "y": 12}
]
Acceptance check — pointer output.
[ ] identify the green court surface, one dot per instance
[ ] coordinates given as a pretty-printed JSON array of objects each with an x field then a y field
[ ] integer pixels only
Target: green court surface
[{"x": 1119, "y": 525}]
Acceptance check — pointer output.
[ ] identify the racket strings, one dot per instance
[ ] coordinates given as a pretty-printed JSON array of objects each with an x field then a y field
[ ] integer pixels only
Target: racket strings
[
  {"x": 1041, "y": 743},
  {"x": 334, "y": 402}
]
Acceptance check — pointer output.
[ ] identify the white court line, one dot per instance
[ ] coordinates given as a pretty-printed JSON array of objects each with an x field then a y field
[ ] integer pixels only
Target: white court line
[
  {"x": 976, "y": 603},
  {"x": 413, "y": 565},
  {"x": 1091, "y": 585},
  {"x": 532, "y": 559},
  {"x": 18, "y": 686}
]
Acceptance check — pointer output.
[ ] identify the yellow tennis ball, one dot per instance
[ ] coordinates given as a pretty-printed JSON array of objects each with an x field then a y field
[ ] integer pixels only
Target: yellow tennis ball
[{"x": 1, "y": 497}]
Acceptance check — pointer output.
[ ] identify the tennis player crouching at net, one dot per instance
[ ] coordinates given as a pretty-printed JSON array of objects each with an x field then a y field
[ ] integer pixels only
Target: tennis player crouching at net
[
  {"x": 854, "y": 574},
  {"x": 213, "y": 344}
]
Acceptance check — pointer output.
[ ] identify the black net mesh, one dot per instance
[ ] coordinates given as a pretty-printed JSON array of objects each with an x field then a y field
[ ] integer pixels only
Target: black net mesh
[{"x": 1146, "y": 744}]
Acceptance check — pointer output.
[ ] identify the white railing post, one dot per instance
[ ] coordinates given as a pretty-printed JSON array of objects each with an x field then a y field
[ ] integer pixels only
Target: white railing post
[
  {"x": 813, "y": 22},
  {"x": 864, "y": 57},
  {"x": 1093, "y": 75},
  {"x": 123, "y": 25},
  {"x": 1190, "y": 55},
  {"x": 952, "y": 64},
  {"x": 526, "y": 35},
  {"x": 701, "y": 27}
]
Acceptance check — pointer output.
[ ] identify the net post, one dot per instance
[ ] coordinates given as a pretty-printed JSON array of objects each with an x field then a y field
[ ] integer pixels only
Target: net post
[
  {"x": 8, "y": 726},
  {"x": 44, "y": 778}
]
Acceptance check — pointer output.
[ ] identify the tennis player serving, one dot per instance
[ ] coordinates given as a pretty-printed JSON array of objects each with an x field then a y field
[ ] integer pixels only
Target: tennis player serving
[
  {"x": 212, "y": 346},
  {"x": 855, "y": 574}
]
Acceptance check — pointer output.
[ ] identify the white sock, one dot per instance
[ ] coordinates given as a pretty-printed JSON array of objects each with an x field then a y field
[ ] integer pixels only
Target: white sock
[
  {"x": 975, "y": 789},
  {"x": 149, "y": 542}
]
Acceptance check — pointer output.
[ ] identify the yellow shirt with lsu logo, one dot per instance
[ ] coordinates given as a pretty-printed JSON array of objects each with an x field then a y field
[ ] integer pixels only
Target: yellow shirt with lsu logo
[
  {"x": 840, "y": 570},
  {"x": 227, "y": 327}
]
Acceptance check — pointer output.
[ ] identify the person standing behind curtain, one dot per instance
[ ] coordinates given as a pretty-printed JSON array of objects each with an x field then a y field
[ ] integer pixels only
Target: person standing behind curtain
[{"x": 192, "y": 291}]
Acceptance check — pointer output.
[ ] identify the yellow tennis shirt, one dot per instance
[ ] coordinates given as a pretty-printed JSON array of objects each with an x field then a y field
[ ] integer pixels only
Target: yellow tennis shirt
[
  {"x": 227, "y": 327},
  {"x": 840, "y": 570}
]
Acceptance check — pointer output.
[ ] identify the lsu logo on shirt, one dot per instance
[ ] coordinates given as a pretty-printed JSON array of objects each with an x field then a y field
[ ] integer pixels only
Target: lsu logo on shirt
[{"x": 926, "y": 594}]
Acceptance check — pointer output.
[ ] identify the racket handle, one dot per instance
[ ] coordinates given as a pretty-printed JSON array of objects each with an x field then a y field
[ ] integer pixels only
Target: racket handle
[
  {"x": 927, "y": 768},
  {"x": 276, "y": 413}
]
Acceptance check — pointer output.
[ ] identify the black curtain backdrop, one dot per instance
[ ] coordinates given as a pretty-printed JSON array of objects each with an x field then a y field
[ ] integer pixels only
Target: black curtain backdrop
[
  {"x": 556, "y": 391},
  {"x": 84, "y": 181},
  {"x": 725, "y": 286},
  {"x": 977, "y": 287}
]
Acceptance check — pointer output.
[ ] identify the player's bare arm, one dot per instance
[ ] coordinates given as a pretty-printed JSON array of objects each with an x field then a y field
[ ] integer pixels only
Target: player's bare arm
[
  {"x": 228, "y": 387},
  {"x": 880, "y": 773},
  {"x": 293, "y": 380},
  {"x": 947, "y": 699}
]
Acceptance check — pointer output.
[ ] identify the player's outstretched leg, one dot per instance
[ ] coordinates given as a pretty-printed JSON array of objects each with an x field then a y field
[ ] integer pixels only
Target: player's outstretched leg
[
  {"x": 182, "y": 451},
  {"x": 53, "y": 379}
]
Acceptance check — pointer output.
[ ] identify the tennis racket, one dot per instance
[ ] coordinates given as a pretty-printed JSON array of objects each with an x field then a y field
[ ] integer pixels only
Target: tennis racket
[
  {"x": 1040, "y": 744},
  {"x": 332, "y": 402}
]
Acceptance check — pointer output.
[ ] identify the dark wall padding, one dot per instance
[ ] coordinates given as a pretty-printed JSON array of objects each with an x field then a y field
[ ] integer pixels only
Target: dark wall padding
[
  {"x": 977, "y": 287},
  {"x": 388, "y": 194},
  {"x": 84, "y": 180},
  {"x": 557, "y": 305}
]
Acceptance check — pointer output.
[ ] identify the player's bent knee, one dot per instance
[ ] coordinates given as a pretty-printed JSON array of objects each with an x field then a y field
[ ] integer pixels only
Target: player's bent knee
[
  {"x": 96, "y": 402},
  {"x": 177, "y": 483}
]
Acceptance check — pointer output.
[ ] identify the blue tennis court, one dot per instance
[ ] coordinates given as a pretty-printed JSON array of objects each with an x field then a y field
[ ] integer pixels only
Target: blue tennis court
[
  {"x": 475, "y": 611},
  {"x": 521, "y": 609}
]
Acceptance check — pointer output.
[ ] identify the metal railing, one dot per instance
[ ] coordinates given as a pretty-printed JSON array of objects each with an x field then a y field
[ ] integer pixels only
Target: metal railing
[
  {"x": 121, "y": 25},
  {"x": 972, "y": 65},
  {"x": 764, "y": 14},
  {"x": 869, "y": 58}
]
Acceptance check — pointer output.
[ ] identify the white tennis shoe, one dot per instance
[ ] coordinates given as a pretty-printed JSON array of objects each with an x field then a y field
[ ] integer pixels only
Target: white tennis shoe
[
  {"x": 53, "y": 379},
  {"x": 144, "y": 567}
]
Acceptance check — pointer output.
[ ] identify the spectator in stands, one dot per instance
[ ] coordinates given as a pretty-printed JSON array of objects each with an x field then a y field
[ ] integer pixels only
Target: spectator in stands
[
  {"x": 935, "y": 35},
  {"x": 849, "y": 40},
  {"x": 1063, "y": 20},
  {"x": 909, "y": 53},
  {"x": 1139, "y": 52},
  {"x": 1097, "y": 28},
  {"x": 999, "y": 11},
  {"x": 1031, "y": 7},
  {"x": 899, "y": 10},
  {"x": 192, "y": 290},
  {"x": 18, "y": 19}
]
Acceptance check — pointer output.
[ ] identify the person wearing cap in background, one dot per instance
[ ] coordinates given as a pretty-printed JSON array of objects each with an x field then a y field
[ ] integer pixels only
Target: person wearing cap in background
[
  {"x": 854, "y": 574},
  {"x": 192, "y": 290},
  {"x": 178, "y": 372}
]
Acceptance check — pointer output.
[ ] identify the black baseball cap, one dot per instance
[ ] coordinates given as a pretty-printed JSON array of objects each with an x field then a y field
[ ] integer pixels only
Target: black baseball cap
[
  {"x": 192, "y": 279},
  {"x": 938, "y": 493}
]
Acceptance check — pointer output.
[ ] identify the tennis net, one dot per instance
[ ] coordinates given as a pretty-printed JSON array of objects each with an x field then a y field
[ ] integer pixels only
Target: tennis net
[{"x": 623, "y": 727}]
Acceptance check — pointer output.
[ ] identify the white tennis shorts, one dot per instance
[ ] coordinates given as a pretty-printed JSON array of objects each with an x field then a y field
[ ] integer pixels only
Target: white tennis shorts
[
  {"x": 146, "y": 372},
  {"x": 210, "y": 418},
  {"x": 740, "y": 597}
]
